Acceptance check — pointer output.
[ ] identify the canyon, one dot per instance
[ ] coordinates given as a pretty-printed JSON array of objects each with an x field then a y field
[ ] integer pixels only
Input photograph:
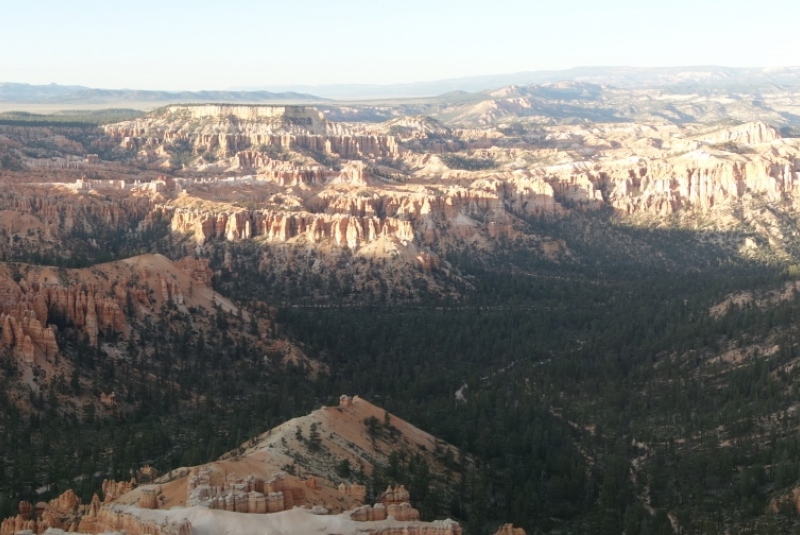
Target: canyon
[
  {"x": 407, "y": 190},
  {"x": 174, "y": 283}
]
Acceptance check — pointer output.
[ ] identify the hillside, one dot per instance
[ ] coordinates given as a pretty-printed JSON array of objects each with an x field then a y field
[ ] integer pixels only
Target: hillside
[
  {"x": 595, "y": 316},
  {"x": 248, "y": 491}
]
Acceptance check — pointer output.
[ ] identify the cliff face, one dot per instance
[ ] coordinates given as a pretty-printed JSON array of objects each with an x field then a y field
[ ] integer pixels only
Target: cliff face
[
  {"x": 280, "y": 226},
  {"x": 699, "y": 180},
  {"x": 228, "y": 130},
  {"x": 27, "y": 312},
  {"x": 105, "y": 299},
  {"x": 399, "y": 195},
  {"x": 396, "y": 187},
  {"x": 252, "y": 494},
  {"x": 62, "y": 207},
  {"x": 63, "y": 512},
  {"x": 114, "y": 489},
  {"x": 357, "y": 205}
]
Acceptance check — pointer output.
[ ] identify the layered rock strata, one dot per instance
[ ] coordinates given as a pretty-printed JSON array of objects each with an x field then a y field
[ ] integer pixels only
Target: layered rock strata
[
  {"x": 228, "y": 130},
  {"x": 282, "y": 226},
  {"x": 242, "y": 495},
  {"x": 27, "y": 311}
]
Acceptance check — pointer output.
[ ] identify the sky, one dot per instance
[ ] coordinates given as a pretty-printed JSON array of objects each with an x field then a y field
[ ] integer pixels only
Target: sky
[{"x": 200, "y": 44}]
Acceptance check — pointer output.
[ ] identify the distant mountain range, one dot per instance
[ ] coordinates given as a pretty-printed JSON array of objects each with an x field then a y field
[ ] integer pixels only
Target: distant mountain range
[
  {"x": 622, "y": 77},
  {"x": 72, "y": 94}
]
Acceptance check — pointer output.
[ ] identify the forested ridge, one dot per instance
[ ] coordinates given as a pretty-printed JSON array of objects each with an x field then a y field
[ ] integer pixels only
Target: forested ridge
[{"x": 597, "y": 394}]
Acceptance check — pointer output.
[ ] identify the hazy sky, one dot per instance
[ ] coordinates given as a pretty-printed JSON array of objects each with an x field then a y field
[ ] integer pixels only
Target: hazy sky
[{"x": 200, "y": 44}]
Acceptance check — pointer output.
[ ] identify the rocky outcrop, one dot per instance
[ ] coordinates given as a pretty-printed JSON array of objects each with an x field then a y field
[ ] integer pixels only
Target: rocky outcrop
[
  {"x": 148, "y": 499},
  {"x": 394, "y": 496},
  {"x": 509, "y": 529},
  {"x": 171, "y": 291},
  {"x": 402, "y": 512},
  {"x": 32, "y": 306},
  {"x": 350, "y": 210},
  {"x": 284, "y": 174},
  {"x": 752, "y": 133},
  {"x": 114, "y": 489},
  {"x": 25, "y": 335},
  {"x": 25, "y": 510},
  {"x": 116, "y": 518},
  {"x": 66, "y": 502},
  {"x": 242, "y": 495},
  {"x": 369, "y": 513},
  {"x": 280, "y": 226},
  {"x": 89, "y": 521},
  {"x": 66, "y": 513},
  {"x": 86, "y": 309},
  {"x": 27, "y": 308},
  {"x": 197, "y": 268},
  {"x": 355, "y": 491},
  {"x": 146, "y": 474},
  {"x": 392, "y": 503},
  {"x": 12, "y": 526},
  {"x": 61, "y": 209},
  {"x": 701, "y": 179},
  {"x": 61, "y": 512}
]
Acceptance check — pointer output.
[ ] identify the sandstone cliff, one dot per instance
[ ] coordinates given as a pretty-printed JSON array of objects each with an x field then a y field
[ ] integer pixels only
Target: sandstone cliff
[
  {"x": 228, "y": 130},
  {"x": 64, "y": 512},
  {"x": 31, "y": 308}
]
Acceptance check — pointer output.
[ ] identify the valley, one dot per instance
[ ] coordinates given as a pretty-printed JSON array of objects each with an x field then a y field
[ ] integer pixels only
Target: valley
[{"x": 555, "y": 317}]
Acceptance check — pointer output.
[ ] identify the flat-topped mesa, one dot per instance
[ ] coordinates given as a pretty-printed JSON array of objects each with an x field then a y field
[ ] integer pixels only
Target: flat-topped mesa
[{"x": 227, "y": 130}]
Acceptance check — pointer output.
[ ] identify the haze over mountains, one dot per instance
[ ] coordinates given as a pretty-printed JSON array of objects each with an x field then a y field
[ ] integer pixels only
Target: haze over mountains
[
  {"x": 622, "y": 77},
  {"x": 68, "y": 95},
  {"x": 618, "y": 77}
]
